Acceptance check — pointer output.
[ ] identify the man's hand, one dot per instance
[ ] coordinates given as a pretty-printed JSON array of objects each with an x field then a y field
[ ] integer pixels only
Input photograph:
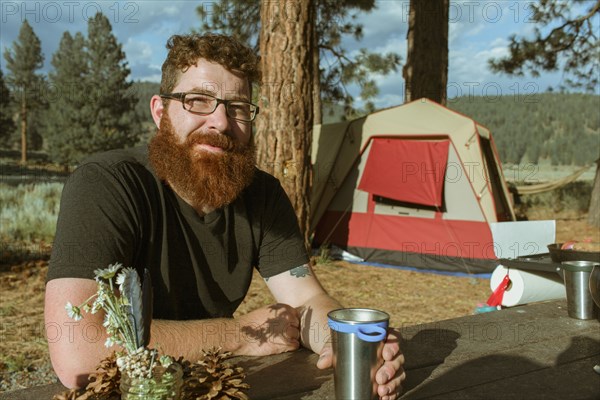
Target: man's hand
[
  {"x": 269, "y": 330},
  {"x": 391, "y": 374}
]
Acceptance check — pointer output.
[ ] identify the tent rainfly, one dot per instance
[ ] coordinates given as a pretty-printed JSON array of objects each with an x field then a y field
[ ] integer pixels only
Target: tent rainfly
[{"x": 414, "y": 185}]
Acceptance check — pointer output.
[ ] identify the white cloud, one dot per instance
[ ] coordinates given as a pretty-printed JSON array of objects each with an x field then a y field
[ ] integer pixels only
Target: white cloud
[
  {"x": 388, "y": 18},
  {"x": 138, "y": 51},
  {"x": 389, "y": 100},
  {"x": 499, "y": 42},
  {"x": 150, "y": 78},
  {"x": 171, "y": 10},
  {"x": 388, "y": 21}
]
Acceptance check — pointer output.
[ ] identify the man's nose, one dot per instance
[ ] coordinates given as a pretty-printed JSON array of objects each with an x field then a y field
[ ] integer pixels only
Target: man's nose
[{"x": 218, "y": 120}]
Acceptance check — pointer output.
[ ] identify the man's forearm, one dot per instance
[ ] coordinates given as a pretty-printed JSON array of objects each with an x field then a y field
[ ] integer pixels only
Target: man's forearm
[
  {"x": 315, "y": 331},
  {"x": 266, "y": 330},
  {"x": 189, "y": 338}
]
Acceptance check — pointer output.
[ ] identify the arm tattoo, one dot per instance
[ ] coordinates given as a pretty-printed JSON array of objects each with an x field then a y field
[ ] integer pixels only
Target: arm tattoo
[{"x": 301, "y": 271}]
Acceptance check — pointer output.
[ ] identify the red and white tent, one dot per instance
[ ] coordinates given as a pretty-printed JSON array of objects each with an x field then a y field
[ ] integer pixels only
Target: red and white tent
[{"x": 415, "y": 185}]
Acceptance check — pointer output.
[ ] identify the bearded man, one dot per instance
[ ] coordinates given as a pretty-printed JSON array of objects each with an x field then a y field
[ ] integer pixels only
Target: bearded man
[{"x": 193, "y": 209}]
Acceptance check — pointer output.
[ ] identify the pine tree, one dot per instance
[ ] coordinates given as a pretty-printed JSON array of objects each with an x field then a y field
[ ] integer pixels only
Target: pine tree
[
  {"x": 22, "y": 61},
  {"x": 7, "y": 125},
  {"x": 66, "y": 128},
  {"x": 426, "y": 68},
  {"x": 285, "y": 127},
  {"x": 570, "y": 45},
  {"x": 109, "y": 106}
]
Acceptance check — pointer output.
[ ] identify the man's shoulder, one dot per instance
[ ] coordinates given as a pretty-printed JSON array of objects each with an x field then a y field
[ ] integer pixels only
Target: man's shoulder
[
  {"x": 264, "y": 178},
  {"x": 109, "y": 159},
  {"x": 264, "y": 191},
  {"x": 115, "y": 165}
]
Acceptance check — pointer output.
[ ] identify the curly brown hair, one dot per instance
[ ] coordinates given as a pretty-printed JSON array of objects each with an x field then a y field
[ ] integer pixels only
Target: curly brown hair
[{"x": 186, "y": 50}]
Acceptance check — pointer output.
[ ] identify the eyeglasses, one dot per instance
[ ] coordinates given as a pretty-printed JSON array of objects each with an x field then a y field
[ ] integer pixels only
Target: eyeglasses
[{"x": 204, "y": 104}]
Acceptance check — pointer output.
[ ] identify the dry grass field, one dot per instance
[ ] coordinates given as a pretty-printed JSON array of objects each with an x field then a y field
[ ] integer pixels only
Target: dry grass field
[{"x": 409, "y": 297}]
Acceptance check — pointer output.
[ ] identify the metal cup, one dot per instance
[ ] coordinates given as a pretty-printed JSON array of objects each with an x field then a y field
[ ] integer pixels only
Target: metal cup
[
  {"x": 580, "y": 304},
  {"x": 358, "y": 335}
]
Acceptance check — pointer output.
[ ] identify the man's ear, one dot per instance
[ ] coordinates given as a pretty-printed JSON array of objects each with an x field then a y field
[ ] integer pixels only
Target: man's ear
[{"x": 156, "y": 108}]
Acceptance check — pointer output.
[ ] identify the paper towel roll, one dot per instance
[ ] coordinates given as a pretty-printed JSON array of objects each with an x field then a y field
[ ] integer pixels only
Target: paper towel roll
[{"x": 528, "y": 287}]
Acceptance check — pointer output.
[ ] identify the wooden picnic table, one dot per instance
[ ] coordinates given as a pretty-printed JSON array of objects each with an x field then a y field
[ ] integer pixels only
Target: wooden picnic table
[{"x": 530, "y": 352}]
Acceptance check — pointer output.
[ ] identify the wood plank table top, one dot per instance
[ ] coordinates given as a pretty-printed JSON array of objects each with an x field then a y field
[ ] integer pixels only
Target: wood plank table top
[{"x": 534, "y": 352}]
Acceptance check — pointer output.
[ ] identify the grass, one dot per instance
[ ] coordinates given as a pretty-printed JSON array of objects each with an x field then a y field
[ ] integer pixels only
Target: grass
[
  {"x": 28, "y": 212},
  {"x": 16, "y": 363},
  {"x": 572, "y": 198}
]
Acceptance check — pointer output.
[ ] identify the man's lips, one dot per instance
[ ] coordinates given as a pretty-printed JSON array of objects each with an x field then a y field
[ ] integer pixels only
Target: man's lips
[
  {"x": 208, "y": 147},
  {"x": 213, "y": 143}
]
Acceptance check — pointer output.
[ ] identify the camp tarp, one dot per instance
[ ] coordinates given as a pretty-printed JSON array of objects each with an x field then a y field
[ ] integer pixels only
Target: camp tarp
[{"x": 415, "y": 185}]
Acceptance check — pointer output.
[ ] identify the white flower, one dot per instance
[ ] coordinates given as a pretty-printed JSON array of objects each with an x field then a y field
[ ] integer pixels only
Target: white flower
[
  {"x": 106, "y": 322},
  {"x": 97, "y": 306},
  {"x": 110, "y": 322},
  {"x": 121, "y": 278},
  {"x": 109, "y": 342},
  {"x": 125, "y": 277},
  {"x": 108, "y": 273},
  {"x": 165, "y": 361},
  {"x": 73, "y": 312}
]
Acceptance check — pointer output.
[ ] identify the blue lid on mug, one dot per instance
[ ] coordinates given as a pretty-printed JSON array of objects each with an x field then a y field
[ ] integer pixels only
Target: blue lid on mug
[{"x": 368, "y": 324}]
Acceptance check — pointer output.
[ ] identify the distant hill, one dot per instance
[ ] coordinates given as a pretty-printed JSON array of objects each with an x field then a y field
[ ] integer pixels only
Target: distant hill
[
  {"x": 563, "y": 129},
  {"x": 144, "y": 92}
]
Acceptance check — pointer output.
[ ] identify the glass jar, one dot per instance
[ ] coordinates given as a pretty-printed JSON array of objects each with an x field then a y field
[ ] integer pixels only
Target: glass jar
[{"x": 165, "y": 384}]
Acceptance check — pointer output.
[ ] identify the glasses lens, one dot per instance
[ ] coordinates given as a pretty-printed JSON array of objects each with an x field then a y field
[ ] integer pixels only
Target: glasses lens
[
  {"x": 200, "y": 103},
  {"x": 241, "y": 110}
]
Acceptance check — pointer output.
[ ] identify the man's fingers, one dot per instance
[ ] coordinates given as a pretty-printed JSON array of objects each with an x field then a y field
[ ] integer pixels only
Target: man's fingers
[
  {"x": 292, "y": 332},
  {"x": 392, "y": 345},
  {"x": 390, "y": 351},
  {"x": 393, "y": 388},
  {"x": 391, "y": 374},
  {"x": 384, "y": 374},
  {"x": 326, "y": 358}
]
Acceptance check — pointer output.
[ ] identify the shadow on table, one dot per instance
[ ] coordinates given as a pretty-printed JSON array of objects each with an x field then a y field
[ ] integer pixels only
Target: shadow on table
[
  {"x": 507, "y": 376},
  {"x": 287, "y": 376},
  {"x": 424, "y": 352}
]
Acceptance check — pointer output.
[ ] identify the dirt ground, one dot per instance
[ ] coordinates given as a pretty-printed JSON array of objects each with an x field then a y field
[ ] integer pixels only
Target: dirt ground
[
  {"x": 409, "y": 297},
  {"x": 413, "y": 297}
]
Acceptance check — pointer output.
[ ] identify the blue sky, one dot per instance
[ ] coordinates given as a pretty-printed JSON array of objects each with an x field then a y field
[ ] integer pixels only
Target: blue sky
[{"x": 478, "y": 30}]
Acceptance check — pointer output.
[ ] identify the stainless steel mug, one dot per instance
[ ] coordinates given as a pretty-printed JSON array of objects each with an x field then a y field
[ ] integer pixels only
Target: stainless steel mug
[
  {"x": 358, "y": 335},
  {"x": 580, "y": 304}
]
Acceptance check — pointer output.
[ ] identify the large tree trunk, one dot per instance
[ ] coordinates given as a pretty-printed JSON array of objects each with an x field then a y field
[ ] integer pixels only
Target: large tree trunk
[
  {"x": 594, "y": 210},
  {"x": 316, "y": 57},
  {"x": 23, "y": 130},
  {"x": 426, "y": 69},
  {"x": 284, "y": 125}
]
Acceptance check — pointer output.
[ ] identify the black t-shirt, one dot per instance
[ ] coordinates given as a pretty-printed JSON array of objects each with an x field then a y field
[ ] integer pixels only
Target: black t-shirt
[{"x": 114, "y": 209}]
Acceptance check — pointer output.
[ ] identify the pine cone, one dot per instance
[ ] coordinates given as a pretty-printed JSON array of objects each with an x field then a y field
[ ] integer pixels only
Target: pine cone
[
  {"x": 71, "y": 394},
  {"x": 103, "y": 384},
  {"x": 106, "y": 381},
  {"x": 213, "y": 378}
]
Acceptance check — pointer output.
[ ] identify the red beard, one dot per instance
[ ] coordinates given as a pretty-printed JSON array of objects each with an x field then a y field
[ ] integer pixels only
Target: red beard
[{"x": 206, "y": 180}]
